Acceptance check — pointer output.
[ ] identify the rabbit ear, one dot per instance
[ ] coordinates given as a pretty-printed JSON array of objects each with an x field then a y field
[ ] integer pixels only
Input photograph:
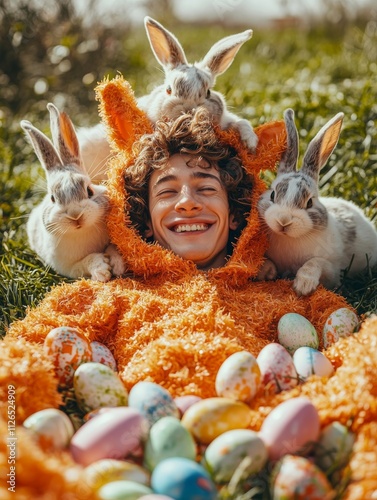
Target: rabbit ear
[
  {"x": 45, "y": 150},
  {"x": 165, "y": 46},
  {"x": 321, "y": 147},
  {"x": 221, "y": 55},
  {"x": 288, "y": 161},
  {"x": 64, "y": 137}
]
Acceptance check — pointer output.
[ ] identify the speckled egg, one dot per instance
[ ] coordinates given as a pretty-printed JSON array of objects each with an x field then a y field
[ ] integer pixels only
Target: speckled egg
[
  {"x": 238, "y": 377},
  {"x": 123, "y": 490},
  {"x": 168, "y": 438},
  {"x": 296, "y": 478},
  {"x": 52, "y": 427},
  {"x": 277, "y": 368},
  {"x": 210, "y": 417},
  {"x": 183, "y": 479},
  {"x": 68, "y": 349},
  {"x": 116, "y": 433},
  {"x": 227, "y": 451},
  {"x": 295, "y": 331},
  {"x": 290, "y": 426},
  {"x": 341, "y": 323},
  {"x": 107, "y": 470},
  {"x": 96, "y": 385},
  {"x": 334, "y": 446},
  {"x": 102, "y": 354},
  {"x": 153, "y": 401},
  {"x": 309, "y": 361}
]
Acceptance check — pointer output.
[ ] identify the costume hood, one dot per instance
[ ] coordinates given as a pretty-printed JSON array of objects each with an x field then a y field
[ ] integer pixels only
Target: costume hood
[{"x": 126, "y": 123}]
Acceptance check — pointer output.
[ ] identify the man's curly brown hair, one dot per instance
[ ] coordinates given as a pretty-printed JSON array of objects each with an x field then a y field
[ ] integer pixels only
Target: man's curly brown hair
[{"x": 190, "y": 133}]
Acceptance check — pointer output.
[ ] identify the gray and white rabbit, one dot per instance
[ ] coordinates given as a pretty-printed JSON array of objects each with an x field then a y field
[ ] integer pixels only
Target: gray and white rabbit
[
  {"x": 68, "y": 228},
  {"x": 186, "y": 87},
  {"x": 313, "y": 238}
]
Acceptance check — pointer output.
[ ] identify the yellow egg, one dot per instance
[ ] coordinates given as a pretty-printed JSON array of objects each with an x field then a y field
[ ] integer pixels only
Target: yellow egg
[
  {"x": 108, "y": 469},
  {"x": 239, "y": 377},
  {"x": 211, "y": 417}
]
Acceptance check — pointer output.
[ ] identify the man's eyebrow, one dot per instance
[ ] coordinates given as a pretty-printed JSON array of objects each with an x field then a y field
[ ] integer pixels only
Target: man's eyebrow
[
  {"x": 165, "y": 178},
  {"x": 195, "y": 175}
]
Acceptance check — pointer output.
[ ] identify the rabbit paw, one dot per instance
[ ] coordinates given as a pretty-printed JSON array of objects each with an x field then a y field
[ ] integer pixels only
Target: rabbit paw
[
  {"x": 248, "y": 136},
  {"x": 100, "y": 268},
  {"x": 304, "y": 283},
  {"x": 116, "y": 261},
  {"x": 267, "y": 272}
]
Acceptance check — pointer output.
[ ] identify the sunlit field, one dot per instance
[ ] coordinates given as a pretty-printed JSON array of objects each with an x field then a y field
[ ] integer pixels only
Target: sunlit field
[{"x": 317, "y": 72}]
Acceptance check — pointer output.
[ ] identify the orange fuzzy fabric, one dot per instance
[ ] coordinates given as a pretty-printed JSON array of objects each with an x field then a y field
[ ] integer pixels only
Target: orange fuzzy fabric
[{"x": 173, "y": 324}]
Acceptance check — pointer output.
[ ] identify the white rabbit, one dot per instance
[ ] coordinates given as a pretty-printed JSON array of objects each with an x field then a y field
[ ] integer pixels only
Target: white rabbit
[
  {"x": 186, "y": 87},
  {"x": 68, "y": 228},
  {"x": 313, "y": 238}
]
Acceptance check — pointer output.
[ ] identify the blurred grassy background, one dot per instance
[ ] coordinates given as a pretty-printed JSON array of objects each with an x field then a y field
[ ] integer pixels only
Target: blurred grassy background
[{"x": 52, "y": 54}]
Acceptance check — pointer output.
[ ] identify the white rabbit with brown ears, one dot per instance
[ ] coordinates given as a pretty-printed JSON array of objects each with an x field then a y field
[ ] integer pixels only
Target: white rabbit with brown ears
[
  {"x": 313, "y": 238},
  {"x": 186, "y": 87},
  {"x": 68, "y": 228}
]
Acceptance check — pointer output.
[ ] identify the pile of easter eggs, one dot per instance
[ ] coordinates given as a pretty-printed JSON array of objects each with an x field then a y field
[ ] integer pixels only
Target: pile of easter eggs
[{"x": 146, "y": 444}]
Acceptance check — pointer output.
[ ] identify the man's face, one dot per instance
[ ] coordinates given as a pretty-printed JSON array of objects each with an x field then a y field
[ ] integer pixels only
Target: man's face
[{"x": 189, "y": 211}]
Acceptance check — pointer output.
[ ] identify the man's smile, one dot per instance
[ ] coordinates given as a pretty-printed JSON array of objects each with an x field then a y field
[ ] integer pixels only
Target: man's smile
[{"x": 184, "y": 228}]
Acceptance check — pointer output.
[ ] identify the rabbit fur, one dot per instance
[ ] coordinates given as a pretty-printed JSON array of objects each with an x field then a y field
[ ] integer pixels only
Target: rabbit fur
[
  {"x": 68, "y": 228},
  {"x": 313, "y": 238},
  {"x": 186, "y": 87}
]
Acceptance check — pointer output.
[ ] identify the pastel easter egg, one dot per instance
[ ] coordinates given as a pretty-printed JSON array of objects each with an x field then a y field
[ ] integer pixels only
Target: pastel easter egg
[
  {"x": 52, "y": 427},
  {"x": 153, "y": 401},
  {"x": 96, "y": 385},
  {"x": 295, "y": 331},
  {"x": 116, "y": 433},
  {"x": 107, "y": 470},
  {"x": 68, "y": 349},
  {"x": 102, "y": 354},
  {"x": 168, "y": 438},
  {"x": 230, "y": 449},
  {"x": 210, "y": 417},
  {"x": 183, "y": 479},
  {"x": 296, "y": 478},
  {"x": 290, "y": 426},
  {"x": 309, "y": 361},
  {"x": 334, "y": 446},
  {"x": 123, "y": 490},
  {"x": 155, "y": 496},
  {"x": 277, "y": 368},
  {"x": 341, "y": 323},
  {"x": 238, "y": 377},
  {"x": 184, "y": 402}
]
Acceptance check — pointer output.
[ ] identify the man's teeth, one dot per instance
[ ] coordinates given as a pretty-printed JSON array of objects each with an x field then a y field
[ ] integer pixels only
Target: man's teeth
[{"x": 190, "y": 227}]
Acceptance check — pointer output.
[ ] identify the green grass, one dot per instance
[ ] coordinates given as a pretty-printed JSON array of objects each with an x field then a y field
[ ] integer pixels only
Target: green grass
[{"x": 316, "y": 73}]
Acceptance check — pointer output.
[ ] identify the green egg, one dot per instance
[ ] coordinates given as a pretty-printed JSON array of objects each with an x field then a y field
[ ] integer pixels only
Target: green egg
[
  {"x": 123, "y": 490},
  {"x": 168, "y": 438}
]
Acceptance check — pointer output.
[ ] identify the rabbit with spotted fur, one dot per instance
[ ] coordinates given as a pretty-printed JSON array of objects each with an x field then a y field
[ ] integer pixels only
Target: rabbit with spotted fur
[
  {"x": 68, "y": 228},
  {"x": 186, "y": 87},
  {"x": 313, "y": 238}
]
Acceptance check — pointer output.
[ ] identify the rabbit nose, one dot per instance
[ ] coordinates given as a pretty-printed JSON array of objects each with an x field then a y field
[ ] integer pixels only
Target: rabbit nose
[{"x": 284, "y": 222}]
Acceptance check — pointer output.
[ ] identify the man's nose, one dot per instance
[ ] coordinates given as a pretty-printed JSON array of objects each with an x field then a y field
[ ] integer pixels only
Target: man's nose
[{"x": 187, "y": 201}]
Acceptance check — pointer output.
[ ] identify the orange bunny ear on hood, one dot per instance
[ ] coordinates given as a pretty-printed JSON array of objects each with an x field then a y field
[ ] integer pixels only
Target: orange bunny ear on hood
[{"x": 124, "y": 120}]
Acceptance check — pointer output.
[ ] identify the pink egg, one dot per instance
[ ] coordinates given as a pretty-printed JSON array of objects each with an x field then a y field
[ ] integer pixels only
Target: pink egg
[
  {"x": 68, "y": 349},
  {"x": 277, "y": 368},
  {"x": 102, "y": 354},
  {"x": 290, "y": 426},
  {"x": 184, "y": 402},
  {"x": 115, "y": 433}
]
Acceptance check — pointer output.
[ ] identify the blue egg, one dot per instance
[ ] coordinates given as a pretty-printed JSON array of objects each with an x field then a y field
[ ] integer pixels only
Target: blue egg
[
  {"x": 153, "y": 401},
  {"x": 183, "y": 479}
]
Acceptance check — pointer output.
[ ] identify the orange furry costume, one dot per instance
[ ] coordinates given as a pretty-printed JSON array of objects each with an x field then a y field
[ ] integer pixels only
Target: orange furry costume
[{"x": 174, "y": 324}]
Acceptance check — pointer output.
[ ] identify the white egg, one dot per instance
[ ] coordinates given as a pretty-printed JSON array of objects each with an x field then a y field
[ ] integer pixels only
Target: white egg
[
  {"x": 309, "y": 361},
  {"x": 52, "y": 427},
  {"x": 277, "y": 368},
  {"x": 341, "y": 323}
]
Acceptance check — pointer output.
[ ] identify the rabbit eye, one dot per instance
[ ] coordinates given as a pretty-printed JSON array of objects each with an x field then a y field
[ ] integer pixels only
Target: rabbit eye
[
  {"x": 90, "y": 191},
  {"x": 53, "y": 198},
  {"x": 309, "y": 203},
  {"x": 168, "y": 89},
  {"x": 208, "y": 94},
  {"x": 272, "y": 197}
]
